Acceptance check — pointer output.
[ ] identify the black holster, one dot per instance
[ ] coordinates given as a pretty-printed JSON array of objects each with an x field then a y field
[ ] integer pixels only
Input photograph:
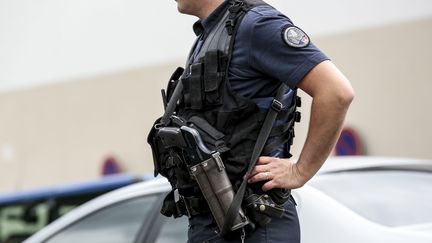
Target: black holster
[{"x": 217, "y": 190}]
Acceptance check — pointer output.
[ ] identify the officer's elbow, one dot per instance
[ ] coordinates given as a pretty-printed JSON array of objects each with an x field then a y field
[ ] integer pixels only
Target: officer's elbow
[
  {"x": 344, "y": 95},
  {"x": 347, "y": 96}
]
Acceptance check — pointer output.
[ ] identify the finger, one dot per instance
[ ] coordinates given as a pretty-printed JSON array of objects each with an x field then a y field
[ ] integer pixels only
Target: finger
[
  {"x": 263, "y": 176},
  {"x": 246, "y": 175},
  {"x": 269, "y": 185},
  {"x": 263, "y": 160},
  {"x": 259, "y": 169}
]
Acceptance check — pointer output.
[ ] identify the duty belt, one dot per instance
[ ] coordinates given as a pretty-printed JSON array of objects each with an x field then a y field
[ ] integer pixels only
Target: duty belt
[{"x": 195, "y": 206}]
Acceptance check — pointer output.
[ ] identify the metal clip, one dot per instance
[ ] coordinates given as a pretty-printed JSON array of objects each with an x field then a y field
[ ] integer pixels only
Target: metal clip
[
  {"x": 157, "y": 126},
  {"x": 217, "y": 158},
  {"x": 276, "y": 105},
  {"x": 176, "y": 196}
]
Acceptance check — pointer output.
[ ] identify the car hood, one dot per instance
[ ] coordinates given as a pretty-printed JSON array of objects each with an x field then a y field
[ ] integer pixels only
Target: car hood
[
  {"x": 319, "y": 220},
  {"x": 426, "y": 228}
]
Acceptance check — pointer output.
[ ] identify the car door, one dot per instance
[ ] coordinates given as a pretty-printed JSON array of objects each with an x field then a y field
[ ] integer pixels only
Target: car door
[
  {"x": 122, "y": 222},
  {"x": 167, "y": 230}
]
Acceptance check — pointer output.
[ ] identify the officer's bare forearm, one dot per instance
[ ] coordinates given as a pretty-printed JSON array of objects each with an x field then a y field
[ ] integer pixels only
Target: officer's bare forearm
[
  {"x": 324, "y": 129},
  {"x": 331, "y": 99}
]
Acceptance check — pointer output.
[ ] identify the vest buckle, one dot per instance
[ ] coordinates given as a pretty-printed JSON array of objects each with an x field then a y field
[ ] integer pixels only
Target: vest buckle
[
  {"x": 276, "y": 105},
  {"x": 236, "y": 6}
]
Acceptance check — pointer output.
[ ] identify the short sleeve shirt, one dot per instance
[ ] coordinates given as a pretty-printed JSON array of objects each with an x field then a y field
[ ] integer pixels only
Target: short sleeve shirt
[{"x": 262, "y": 59}]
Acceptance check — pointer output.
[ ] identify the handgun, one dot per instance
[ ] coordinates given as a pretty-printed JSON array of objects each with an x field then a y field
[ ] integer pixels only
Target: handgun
[{"x": 187, "y": 139}]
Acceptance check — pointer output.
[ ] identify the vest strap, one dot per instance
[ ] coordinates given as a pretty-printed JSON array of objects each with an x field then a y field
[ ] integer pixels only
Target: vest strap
[{"x": 172, "y": 103}]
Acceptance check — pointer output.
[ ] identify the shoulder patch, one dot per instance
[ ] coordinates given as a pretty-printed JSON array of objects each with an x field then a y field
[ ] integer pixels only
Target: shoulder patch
[{"x": 295, "y": 37}]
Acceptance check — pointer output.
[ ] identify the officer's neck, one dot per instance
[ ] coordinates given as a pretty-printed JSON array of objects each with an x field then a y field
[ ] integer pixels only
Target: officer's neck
[{"x": 208, "y": 8}]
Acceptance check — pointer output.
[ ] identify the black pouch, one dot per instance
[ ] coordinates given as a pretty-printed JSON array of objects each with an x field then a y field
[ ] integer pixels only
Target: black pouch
[
  {"x": 171, "y": 207},
  {"x": 278, "y": 195},
  {"x": 262, "y": 206},
  {"x": 214, "y": 74},
  {"x": 156, "y": 147},
  {"x": 169, "y": 163}
]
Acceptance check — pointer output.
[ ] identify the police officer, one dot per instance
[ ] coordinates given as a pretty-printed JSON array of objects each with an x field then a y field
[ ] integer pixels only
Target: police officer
[{"x": 269, "y": 50}]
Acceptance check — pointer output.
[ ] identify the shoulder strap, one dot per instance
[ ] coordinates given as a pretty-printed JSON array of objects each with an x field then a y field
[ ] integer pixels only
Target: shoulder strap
[
  {"x": 172, "y": 103},
  {"x": 222, "y": 36}
]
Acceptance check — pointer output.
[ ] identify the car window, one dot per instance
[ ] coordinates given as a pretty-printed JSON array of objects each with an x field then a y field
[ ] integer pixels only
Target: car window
[
  {"x": 26, "y": 212},
  {"x": 119, "y": 223},
  {"x": 392, "y": 198},
  {"x": 173, "y": 230},
  {"x": 18, "y": 222}
]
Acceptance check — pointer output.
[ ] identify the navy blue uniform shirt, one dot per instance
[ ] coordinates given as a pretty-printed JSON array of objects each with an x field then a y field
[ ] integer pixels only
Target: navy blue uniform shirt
[{"x": 262, "y": 59}]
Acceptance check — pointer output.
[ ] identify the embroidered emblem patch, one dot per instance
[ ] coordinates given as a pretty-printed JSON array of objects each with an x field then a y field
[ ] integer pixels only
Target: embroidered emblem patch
[{"x": 295, "y": 37}]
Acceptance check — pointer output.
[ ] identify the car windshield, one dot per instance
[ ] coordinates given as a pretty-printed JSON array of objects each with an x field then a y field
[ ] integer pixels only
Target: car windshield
[{"x": 392, "y": 198}]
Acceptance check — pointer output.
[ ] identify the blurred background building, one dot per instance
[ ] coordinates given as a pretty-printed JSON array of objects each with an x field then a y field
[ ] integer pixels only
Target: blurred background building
[{"x": 80, "y": 80}]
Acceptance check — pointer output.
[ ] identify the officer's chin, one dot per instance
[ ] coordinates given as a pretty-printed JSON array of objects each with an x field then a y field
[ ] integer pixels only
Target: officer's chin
[{"x": 182, "y": 10}]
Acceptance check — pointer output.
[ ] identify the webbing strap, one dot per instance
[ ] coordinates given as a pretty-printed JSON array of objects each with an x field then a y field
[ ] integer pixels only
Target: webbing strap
[
  {"x": 259, "y": 145},
  {"x": 172, "y": 103},
  {"x": 206, "y": 127}
]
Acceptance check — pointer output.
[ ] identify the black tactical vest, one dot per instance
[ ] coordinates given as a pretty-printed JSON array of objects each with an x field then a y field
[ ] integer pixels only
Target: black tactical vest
[{"x": 228, "y": 123}]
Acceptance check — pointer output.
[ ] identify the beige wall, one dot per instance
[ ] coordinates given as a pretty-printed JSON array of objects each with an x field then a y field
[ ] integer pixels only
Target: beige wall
[
  {"x": 390, "y": 69},
  {"x": 61, "y": 133}
]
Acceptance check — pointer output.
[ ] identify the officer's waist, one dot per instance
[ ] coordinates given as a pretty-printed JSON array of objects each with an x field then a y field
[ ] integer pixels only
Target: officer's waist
[{"x": 195, "y": 206}]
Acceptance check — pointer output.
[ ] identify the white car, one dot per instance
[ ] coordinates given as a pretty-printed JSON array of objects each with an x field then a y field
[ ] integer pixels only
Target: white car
[{"x": 352, "y": 199}]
